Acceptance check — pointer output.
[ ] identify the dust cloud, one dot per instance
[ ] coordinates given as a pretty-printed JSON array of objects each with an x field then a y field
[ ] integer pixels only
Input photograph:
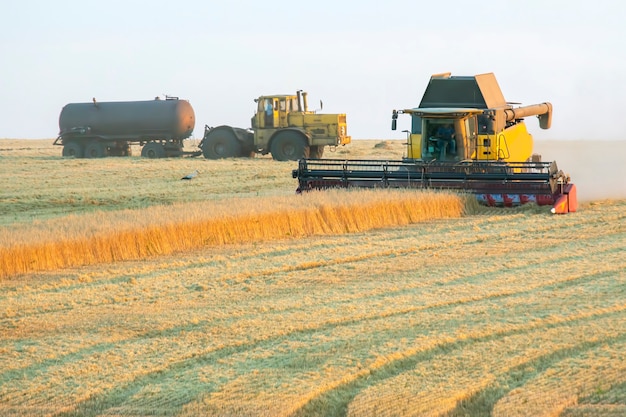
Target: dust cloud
[{"x": 598, "y": 168}]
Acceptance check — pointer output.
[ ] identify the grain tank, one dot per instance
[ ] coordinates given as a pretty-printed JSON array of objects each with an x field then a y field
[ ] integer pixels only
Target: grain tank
[{"x": 98, "y": 129}]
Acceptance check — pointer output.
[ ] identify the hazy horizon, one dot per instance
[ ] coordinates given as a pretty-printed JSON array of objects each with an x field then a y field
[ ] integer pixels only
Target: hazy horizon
[{"x": 363, "y": 59}]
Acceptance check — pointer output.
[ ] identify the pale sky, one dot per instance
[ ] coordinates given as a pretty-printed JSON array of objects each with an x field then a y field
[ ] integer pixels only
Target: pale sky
[{"x": 363, "y": 58}]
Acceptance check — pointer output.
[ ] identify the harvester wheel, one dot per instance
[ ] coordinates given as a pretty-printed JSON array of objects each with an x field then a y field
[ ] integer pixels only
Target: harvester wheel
[
  {"x": 73, "y": 149},
  {"x": 153, "y": 150},
  {"x": 316, "y": 152},
  {"x": 221, "y": 144},
  {"x": 289, "y": 146},
  {"x": 95, "y": 149}
]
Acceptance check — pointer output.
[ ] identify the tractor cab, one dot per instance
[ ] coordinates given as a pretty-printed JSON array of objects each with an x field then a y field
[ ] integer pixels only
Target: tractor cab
[{"x": 273, "y": 111}]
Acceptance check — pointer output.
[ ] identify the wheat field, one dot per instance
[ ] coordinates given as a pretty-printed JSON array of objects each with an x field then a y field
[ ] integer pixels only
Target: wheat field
[{"x": 484, "y": 312}]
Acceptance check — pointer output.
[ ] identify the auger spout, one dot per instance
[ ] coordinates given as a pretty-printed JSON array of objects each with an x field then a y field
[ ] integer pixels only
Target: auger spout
[{"x": 543, "y": 111}]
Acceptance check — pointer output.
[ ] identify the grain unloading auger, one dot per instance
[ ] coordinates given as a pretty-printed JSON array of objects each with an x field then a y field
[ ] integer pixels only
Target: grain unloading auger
[{"x": 464, "y": 136}]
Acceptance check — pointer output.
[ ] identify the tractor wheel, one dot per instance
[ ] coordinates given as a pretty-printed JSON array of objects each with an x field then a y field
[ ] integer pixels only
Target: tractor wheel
[
  {"x": 73, "y": 149},
  {"x": 221, "y": 143},
  {"x": 316, "y": 152},
  {"x": 95, "y": 149},
  {"x": 289, "y": 146},
  {"x": 153, "y": 150}
]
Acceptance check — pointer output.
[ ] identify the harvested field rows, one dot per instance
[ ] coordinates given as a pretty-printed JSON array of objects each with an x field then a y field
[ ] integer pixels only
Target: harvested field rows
[
  {"x": 429, "y": 319},
  {"x": 500, "y": 312}
]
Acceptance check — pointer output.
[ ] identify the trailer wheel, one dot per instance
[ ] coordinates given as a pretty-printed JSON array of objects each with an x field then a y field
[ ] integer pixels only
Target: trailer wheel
[
  {"x": 316, "y": 152},
  {"x": 153, "y": 150},
  {"x": 95, "y": 149},
  {"x": 73, "y": 149},
  {"x": 289, "y": 146},
  {"x": 221, "y": 143}
]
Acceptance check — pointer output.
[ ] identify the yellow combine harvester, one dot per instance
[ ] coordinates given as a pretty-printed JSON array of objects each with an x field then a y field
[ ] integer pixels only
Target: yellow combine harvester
[{"x": 464, "y": 136}]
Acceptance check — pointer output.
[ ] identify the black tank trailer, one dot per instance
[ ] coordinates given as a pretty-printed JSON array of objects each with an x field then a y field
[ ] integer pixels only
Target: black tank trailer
[{"x": 99, "y": 129}]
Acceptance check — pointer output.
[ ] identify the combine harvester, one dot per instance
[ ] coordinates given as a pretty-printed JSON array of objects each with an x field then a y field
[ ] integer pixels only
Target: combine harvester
[{"x": 464, "y": 136}]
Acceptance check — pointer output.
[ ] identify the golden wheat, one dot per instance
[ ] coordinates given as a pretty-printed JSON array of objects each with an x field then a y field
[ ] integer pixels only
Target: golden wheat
[{"x": 164, "y": 230}]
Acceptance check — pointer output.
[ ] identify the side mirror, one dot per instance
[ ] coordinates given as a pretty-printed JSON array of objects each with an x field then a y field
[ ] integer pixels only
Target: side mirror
[{"x": 394, "y": 120}]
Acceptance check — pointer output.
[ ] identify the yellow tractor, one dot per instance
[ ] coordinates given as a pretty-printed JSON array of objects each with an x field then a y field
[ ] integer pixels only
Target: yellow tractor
[{"x": 283, "y": 126}]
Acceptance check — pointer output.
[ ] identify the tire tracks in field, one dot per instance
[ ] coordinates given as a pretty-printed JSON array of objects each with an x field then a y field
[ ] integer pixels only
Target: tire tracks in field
[
  {"x": 368, "y": 298},
  {"x": 334, "y": 402},
  {"x": 121, "y": 394},
  {"x": 494, "y": 236},
  {"x": 484, "y": 401},
  {"x": 34, "y": 369},
  {"x": 438, "y": 385},
  {"x": 185, "y": 363},
  {"x": 117, "y": 397}
]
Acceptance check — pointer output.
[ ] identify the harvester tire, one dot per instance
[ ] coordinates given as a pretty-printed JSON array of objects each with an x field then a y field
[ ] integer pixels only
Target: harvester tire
[
  {"x": 95, "y": 149},
  {"x": 221, "y": 143},
  {"x": 289, "y": 146},
  {"x": 73, "y": 149},
  {"x": 153, "y": 150}
]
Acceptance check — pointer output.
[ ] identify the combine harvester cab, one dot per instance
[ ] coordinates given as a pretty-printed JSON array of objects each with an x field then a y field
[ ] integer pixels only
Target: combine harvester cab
[{"x": 464, "y": 136}]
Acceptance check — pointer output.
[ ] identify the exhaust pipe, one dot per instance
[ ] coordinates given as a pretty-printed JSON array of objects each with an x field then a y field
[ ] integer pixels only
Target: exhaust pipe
[
  {"x": 305, "y": 101},
  {"x": 299, "y": 94}
]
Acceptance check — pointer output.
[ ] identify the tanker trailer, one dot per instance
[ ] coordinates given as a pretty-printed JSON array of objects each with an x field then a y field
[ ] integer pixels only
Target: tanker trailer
[{"x": 99, "y": 129}]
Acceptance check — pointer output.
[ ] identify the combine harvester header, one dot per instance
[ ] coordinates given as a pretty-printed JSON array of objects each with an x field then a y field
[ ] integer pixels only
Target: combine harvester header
[{"x": 464, "y": 136}]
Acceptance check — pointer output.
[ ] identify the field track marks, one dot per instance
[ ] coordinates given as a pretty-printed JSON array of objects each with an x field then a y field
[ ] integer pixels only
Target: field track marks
[
  {"x": 322, "y": 393},
  {"x": 331, "y": 314},
  {"x": 560, "y": 386},
  {"x": 129, "y": 397},
  {"x": 371, "y": 292},
  {"x": 176, "y": 367},
  {"x": 65, "y": 287},
  {"x": 204, "y": 330},
  {"x": 462, "y": 373}
]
